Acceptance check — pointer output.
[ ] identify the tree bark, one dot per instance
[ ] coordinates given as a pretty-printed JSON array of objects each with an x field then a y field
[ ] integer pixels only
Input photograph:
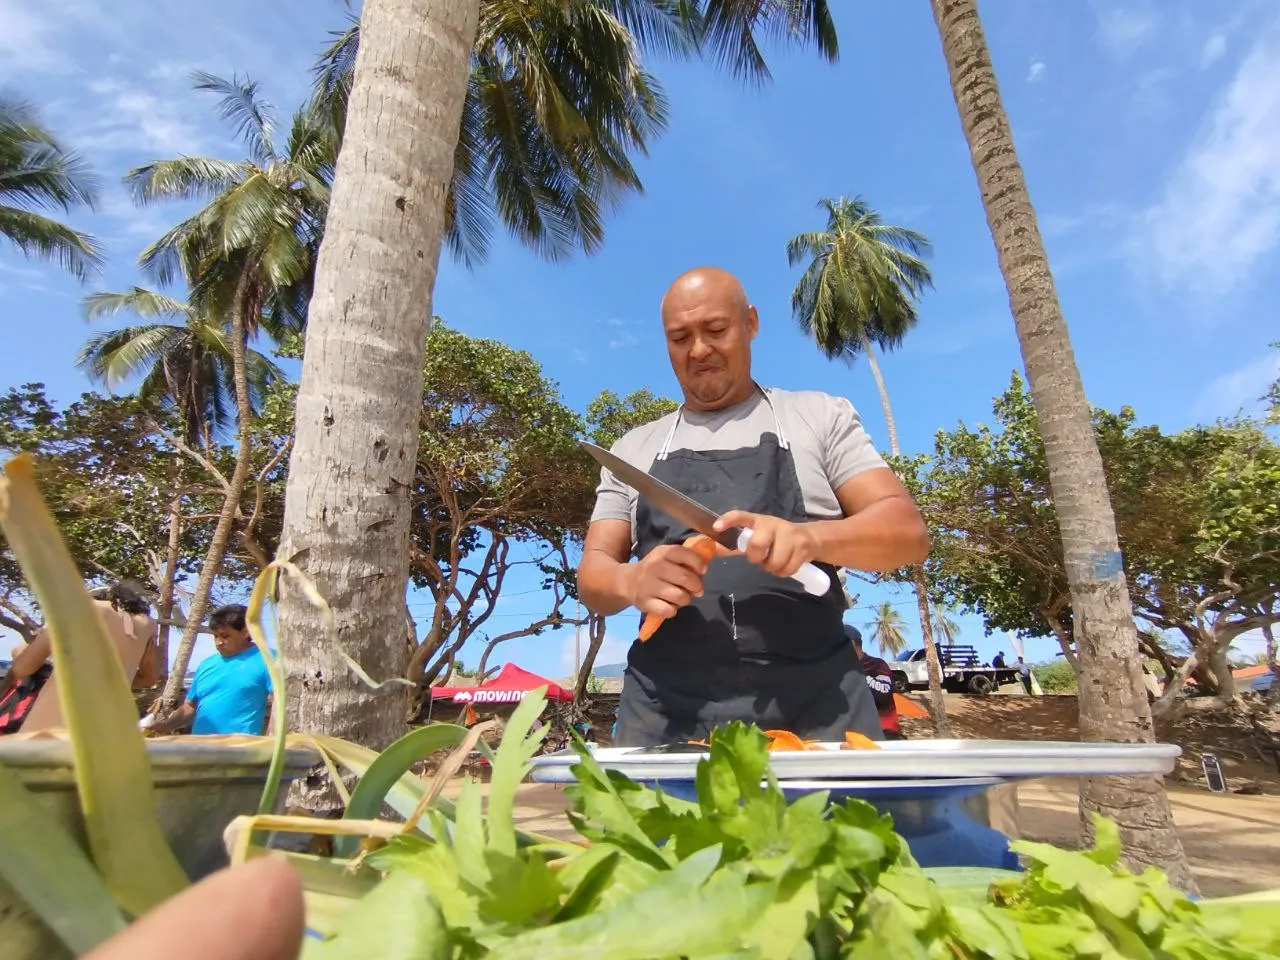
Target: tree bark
[
  {"x": 221, "y": 538},
  {"x": 1113, "y": 702},
  {"x": 891, "y": 428},
  {"x": 595, "y": 639},
  {"x": 164, "y": 604},
  {"x": 937, "y": 697},
  {"x": 346, "y": 521}
]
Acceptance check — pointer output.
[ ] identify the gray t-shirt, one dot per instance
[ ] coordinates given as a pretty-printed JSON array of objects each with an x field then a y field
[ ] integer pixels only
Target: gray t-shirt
[{"x": 825, "y": 434}]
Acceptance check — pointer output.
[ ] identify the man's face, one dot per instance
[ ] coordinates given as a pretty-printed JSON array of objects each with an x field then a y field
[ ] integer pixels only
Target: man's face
[
  {"x": 229, "y": 641},
  {"x": 709, "y": 333}
]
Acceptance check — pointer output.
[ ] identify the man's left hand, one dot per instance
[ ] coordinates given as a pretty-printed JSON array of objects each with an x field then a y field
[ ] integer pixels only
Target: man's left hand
[{"x": 781, "y": 547}]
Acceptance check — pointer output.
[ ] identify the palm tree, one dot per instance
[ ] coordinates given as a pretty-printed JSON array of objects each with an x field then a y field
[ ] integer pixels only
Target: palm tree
[
  {"x": 860, "y": 287},
  {"x": 37, "y": 171},
  {"x": 347, "y": 504},
  {"x": 1113, "y": 701},
  {"x": 247, "y": 257},
  {"x": 557, "y": 99},
  {"x": 859, "y": 291},
  {"x": 184, "y": 364},
  {"x": 888, "y": 629},
  {"x": 945, "y": 628}
]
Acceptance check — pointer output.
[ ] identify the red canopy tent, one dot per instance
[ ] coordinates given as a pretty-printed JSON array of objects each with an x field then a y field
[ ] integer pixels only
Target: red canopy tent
[{"x": 509, "y": 686}]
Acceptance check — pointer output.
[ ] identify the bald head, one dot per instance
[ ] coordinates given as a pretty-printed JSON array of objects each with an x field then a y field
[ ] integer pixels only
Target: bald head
[
  {"x": 709, "y": 325},
  {"x": 703, "y": 284}
]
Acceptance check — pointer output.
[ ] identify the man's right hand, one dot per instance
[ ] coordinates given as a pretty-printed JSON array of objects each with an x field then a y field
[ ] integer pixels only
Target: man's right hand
[{"x": 668, "y": 578}]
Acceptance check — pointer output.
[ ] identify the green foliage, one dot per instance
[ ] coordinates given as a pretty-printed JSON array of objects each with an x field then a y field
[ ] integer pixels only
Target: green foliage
[
  {"x": 36, "y": 171},
  {"x": 861, "y": 281},
  {"x": 610, "y": 416},
  {"x": 559, "y": 101},
  {"x": 888, "y": 630},
  {"x": 742, "y": 873},
  {"x": 1198, "y": 515},
  {"x": 1056, "y": 676},
  {"x": 1272, "y": 397}
]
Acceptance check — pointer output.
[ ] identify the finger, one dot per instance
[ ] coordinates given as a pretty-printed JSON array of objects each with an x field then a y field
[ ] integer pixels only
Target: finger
[
  {"x": 251, "y": 912},
  {"x": 761, "y": 543},
  {"x": 691, "y": 559},
  {"x": 736, "y": 518},
  {"x": 675, "y": 595},
  {"x": 674, "y": 574},
  {"x": 657, "y": 607}
]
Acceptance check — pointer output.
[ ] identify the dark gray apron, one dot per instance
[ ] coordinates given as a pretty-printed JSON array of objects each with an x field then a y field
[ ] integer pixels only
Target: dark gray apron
[{"x": 754, "y": 647}]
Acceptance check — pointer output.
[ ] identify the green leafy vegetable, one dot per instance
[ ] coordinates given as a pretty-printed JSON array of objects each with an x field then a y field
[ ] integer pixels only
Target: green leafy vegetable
[{"x": 741, "y": 873}]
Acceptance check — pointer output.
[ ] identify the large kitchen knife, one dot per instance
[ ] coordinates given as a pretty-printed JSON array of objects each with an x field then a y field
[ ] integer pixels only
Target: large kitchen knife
[{"x": 699, "y": 518}]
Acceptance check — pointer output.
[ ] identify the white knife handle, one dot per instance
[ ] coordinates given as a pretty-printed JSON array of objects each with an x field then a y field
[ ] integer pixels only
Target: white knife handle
[{"x": 814, "y": 579}]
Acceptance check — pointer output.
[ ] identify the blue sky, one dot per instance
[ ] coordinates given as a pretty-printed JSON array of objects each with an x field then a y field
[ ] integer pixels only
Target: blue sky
[{"x": 1149, "y": 132}]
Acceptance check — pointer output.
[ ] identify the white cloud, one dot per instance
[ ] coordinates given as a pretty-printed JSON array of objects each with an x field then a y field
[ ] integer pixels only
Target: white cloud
[
  {"x": 1123, "y": 30},
  {"x": 1036, "y": 72},
  {"x": 1097, "y": 216},
  {"x": 26, "y": 40},
  {"x": 1214, "y": 47},
  {"x": 1220, "y": 212},
  {"x": 1239, "y": 389},
  {"x": 129, "y": 117}
]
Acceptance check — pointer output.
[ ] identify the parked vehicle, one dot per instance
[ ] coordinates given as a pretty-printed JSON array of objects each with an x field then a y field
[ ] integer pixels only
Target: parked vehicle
[{"x": 962, "y": 671}]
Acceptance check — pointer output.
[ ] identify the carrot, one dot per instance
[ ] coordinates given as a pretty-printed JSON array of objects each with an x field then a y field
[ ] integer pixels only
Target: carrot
[
  {"x": 704, "y": 547},
  {"x": 856, "y": 741},
  {"x": 784, "y": 740}
]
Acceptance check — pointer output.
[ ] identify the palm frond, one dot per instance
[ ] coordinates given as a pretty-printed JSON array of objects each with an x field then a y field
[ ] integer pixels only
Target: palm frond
[
  {"x": 331, "y": 84},
  {"x": 729, "y": 31},
  {"x": 239, "y": 103},
  {"x": 138, "y": 300},
  {"x": 114, "y": 356},
  {"x": 47, "y": 239},
  {"x": 184, "y": 178}
]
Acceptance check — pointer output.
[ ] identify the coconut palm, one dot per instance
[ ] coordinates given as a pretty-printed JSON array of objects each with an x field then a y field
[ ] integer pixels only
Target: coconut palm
[
  {"x": 184, "y": 363},
  {"x": 888, "y": 629},
  {"x": 37, "y": 171},
  {"x": 945, "y": 628},
  {"x": 859, "y": 291},
  {"x": 247, "y": 257},
  {"x": 1113, "y": 699},
  {"x": 860, "y": 286}
]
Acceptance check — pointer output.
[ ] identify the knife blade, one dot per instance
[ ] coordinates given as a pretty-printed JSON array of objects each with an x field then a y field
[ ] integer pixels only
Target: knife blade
[{"x": 695, "y": 515}]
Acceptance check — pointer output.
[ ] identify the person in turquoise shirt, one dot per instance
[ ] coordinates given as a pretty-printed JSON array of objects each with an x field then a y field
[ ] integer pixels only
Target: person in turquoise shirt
[{"x": 232, "y": 689}]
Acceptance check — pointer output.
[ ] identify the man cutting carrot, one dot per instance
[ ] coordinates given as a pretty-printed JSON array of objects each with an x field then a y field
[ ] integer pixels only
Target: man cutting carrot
[{"x": 740, "y": 639}]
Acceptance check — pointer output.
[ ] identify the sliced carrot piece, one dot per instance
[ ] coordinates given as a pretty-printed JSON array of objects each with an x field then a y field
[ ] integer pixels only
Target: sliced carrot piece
[
  {"x": 856, "y": 741},
  {"x": 784, "y": 740}
]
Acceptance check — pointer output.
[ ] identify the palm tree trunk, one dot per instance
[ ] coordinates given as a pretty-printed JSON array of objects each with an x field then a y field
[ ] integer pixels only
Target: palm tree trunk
[
  {"x": 937, "y": 697},
  {"x": 890, "y": 426},
  {"x": 164, "y": 604},
  {"x": 230, "y": 503},
  {"x": 1113, "y": 701},
  {"x": 595, "y": 635},
  {"x": 346, "y": 520}
]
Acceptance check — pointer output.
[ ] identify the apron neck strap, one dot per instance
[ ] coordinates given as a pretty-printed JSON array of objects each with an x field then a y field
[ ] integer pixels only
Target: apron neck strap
[{"x": 777, "y": 423}]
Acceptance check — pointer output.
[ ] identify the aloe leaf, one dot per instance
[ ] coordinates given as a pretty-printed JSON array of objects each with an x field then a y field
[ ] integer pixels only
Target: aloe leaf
[
  {"x": 510, "y": 767},
  {"x": 264, "y": 590},
  {"x": 113, "y": 775},
  {"x": 43, "y": 865}
]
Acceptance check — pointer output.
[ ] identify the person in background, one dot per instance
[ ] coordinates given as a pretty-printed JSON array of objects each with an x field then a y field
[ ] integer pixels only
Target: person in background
[
  {"x": 231, "y": 689},
  {"x": 880, "y": 681},
  {"x": 998, "y": 660},
  {"x": 126, "y": 615},
  {"x": 1024, "y": 673}
]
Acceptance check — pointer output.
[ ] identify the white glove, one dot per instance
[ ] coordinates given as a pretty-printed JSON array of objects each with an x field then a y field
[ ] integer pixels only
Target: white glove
[{"x": 147, "y": 722}]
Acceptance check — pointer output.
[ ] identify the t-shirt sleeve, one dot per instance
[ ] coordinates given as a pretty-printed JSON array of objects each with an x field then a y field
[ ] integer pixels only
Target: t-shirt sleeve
[
  {"x": 266, "y": 676},
  {"x": 613, "y": 498},
  {"x": 849, "y": 450}
]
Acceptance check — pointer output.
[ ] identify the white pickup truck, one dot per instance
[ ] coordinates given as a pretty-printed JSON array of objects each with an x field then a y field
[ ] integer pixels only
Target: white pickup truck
[{"x": 962, "y": 671}]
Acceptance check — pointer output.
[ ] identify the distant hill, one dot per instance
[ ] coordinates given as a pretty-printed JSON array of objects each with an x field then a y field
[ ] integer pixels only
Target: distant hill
[{"x": 610, "y": 670}]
